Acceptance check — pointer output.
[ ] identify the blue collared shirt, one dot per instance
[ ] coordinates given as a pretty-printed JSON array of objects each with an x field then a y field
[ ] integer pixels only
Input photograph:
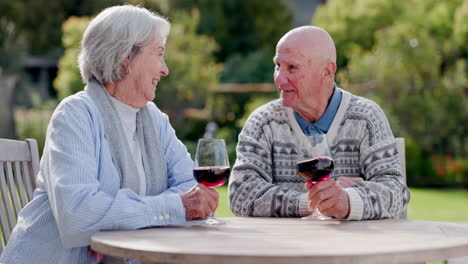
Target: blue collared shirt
[{"x": 322, "y": 125}]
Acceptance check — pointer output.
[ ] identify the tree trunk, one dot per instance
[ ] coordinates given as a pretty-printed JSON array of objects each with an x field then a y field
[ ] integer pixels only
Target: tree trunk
[{"x": 7, "y": 121}]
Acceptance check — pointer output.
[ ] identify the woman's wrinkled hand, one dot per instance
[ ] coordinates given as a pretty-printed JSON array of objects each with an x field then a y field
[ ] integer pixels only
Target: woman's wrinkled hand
[{"x": 199, "y": 202}]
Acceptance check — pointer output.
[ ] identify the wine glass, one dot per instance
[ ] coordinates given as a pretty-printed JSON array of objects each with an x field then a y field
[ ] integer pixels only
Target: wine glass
[
  {"x": 317, "y": 169},
  {"x": 211, "y": 167}
]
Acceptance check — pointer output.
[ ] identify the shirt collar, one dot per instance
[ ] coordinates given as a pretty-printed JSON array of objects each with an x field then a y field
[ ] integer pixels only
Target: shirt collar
[{"x": 323, "y": 124}]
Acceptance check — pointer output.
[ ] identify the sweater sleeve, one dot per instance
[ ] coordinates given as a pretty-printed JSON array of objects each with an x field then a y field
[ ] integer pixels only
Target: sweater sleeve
[
  {"x": 252, "y": 190},
  {"x": 384, "y": 193}
]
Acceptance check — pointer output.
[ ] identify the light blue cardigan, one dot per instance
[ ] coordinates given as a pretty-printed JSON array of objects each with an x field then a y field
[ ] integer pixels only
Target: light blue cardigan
[{"x": 79, "y": 188}]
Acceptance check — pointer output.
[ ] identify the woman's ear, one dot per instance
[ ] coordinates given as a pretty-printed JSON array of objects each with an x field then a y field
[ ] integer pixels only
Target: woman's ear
[{"x": 126, "y": 66}]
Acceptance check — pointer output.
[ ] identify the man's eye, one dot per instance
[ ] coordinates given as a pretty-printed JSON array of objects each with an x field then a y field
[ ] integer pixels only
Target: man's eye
[{"x": 292, "y": 67}]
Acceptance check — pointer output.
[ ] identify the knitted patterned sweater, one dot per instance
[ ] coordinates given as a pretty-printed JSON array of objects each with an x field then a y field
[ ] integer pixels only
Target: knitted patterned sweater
[{"x": 264, "y": 180}]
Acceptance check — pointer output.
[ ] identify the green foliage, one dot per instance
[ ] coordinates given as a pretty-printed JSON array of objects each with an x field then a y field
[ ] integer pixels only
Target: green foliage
[
  {"x": 68, "y": 79},
  {"x": 256, "y": 67},
  {"x": 353, "y": 23},
  {"x": 32, "y": 124},
  {"x": 192, "y": 70},
  {"x": 412, "y": 62},
  {"x": 238, "y": 26},
  {"x": 12, "y": 44}
]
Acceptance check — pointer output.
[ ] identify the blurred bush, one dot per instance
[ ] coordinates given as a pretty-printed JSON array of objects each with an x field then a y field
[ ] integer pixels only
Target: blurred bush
[
  {"x": 255, "y": 67},
  {"x": 192, "y": 72},
  {"x": 409, "y": 57},
  {"x": 32, "y": 124},
  {"x": 238, "y": 26},
  {"x": 68, "y": 79}
]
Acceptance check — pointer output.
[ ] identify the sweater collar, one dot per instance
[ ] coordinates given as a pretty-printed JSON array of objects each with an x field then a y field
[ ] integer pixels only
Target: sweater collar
[{"x": 322, "y": 125}]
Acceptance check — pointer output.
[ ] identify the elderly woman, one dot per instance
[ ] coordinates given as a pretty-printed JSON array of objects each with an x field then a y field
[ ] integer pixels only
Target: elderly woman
[{"x": 111, "y": 159}]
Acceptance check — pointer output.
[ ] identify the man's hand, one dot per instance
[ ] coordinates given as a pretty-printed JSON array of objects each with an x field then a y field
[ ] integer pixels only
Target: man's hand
[
  {"x": 329, "y": 198},
  {"x": 199, "y": 202}
]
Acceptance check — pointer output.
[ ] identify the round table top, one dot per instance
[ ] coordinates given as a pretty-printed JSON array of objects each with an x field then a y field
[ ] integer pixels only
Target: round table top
[{"x": 290, "y": 240}]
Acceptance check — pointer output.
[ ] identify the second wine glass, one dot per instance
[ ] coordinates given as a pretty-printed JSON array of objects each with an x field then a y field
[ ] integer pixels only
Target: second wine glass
[
  {"x": 317, "y": 169},
  {"x": 211, "y": 167}
]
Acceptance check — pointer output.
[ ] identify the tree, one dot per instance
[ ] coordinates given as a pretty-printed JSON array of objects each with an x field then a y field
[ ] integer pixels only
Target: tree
[
  {"x": 192, "y": 69},
  {"x": 414, "y": 65},
  {"x": 240, "y": 27}
]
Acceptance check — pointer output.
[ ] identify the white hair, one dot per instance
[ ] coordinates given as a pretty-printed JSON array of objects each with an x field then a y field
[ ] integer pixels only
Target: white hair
[{"x": 115, "y": 34}]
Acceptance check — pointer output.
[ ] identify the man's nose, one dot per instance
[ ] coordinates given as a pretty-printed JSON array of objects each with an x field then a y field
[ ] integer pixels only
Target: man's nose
[{"x": 280, "y": 78}]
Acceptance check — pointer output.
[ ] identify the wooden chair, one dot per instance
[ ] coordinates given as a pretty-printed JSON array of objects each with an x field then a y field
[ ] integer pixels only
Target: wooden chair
[
  {"x": 19, "y": 165},
  {"x": 400, "y": 145}
]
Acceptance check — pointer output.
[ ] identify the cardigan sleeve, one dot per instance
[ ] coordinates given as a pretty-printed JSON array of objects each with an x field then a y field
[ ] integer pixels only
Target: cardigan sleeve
[
  {"x": 252, "y": 190},
  {"x": 178, "y": 161},
  {"x": 82, "y": 200}
]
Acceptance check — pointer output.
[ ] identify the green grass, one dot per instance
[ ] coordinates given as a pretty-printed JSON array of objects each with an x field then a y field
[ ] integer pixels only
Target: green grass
[
  {"x": 438, "y": 204},
  {"x": 223, "y": 208}
]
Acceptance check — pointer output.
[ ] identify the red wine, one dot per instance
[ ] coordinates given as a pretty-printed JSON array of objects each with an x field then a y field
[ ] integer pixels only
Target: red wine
[
  {"x": 212, "y": 176},
  {"x": 315, "y": 170}
]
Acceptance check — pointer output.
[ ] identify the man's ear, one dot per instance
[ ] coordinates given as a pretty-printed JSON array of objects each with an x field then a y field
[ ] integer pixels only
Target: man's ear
[{"x": 329, "y": 71}]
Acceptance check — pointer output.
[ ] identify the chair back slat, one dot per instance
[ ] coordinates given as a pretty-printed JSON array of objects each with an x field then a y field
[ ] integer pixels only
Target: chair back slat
[
  {"x": 19, "y": 165},
  {"x": 13, "y": 190},
  {"x": 34, "y": 163},
  {"x": 6, "y": 204},
  {"x": 1, "y": 244},
  {"x": 20, "y": 185},
  {"x": 27, "y": 179},
  {"x": 400, "y": 145}
]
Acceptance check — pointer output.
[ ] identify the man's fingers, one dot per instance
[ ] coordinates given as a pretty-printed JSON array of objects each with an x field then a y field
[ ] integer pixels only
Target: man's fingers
[
  {"x": 338, "y": 206},
  {"x": 319, "y": 187}
]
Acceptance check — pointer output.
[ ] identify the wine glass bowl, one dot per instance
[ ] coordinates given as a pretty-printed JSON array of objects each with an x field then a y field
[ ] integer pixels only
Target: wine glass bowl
[
  {"x": 212, "y": 176},
  {"x": 211, "y": 167},
  {"x": 316, "y": 169}
]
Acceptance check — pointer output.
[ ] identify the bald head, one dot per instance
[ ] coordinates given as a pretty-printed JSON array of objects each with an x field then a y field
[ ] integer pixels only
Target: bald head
[{"x": 313, "y": 42}]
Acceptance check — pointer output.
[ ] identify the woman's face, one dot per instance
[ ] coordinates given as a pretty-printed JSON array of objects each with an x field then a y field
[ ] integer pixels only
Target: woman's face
[{"x": 145, "y": 72}]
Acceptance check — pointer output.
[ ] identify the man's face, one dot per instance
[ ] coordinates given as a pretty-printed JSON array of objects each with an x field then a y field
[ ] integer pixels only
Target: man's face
[{"x": 297, "y": 75}]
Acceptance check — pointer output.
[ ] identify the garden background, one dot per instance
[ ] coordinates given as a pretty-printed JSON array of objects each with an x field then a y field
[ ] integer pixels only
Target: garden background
[{"x": 409, "y": 56}]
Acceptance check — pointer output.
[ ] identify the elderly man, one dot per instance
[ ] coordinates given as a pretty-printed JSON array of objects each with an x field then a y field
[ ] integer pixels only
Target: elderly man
[{"x": 367, "y": 181}]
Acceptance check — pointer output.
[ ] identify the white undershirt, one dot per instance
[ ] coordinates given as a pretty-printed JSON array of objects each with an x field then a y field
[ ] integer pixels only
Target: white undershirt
[{"x": 127, "y": 116}]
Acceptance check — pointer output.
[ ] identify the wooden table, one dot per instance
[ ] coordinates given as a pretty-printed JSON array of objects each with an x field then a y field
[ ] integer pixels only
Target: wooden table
[{"x": 290, "y": 240}]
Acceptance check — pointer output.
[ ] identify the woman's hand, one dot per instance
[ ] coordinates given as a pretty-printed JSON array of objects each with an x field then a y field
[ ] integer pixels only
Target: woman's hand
[
  {"x": 199, "y": 202},
  {"x": 92, "y": 253}
]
